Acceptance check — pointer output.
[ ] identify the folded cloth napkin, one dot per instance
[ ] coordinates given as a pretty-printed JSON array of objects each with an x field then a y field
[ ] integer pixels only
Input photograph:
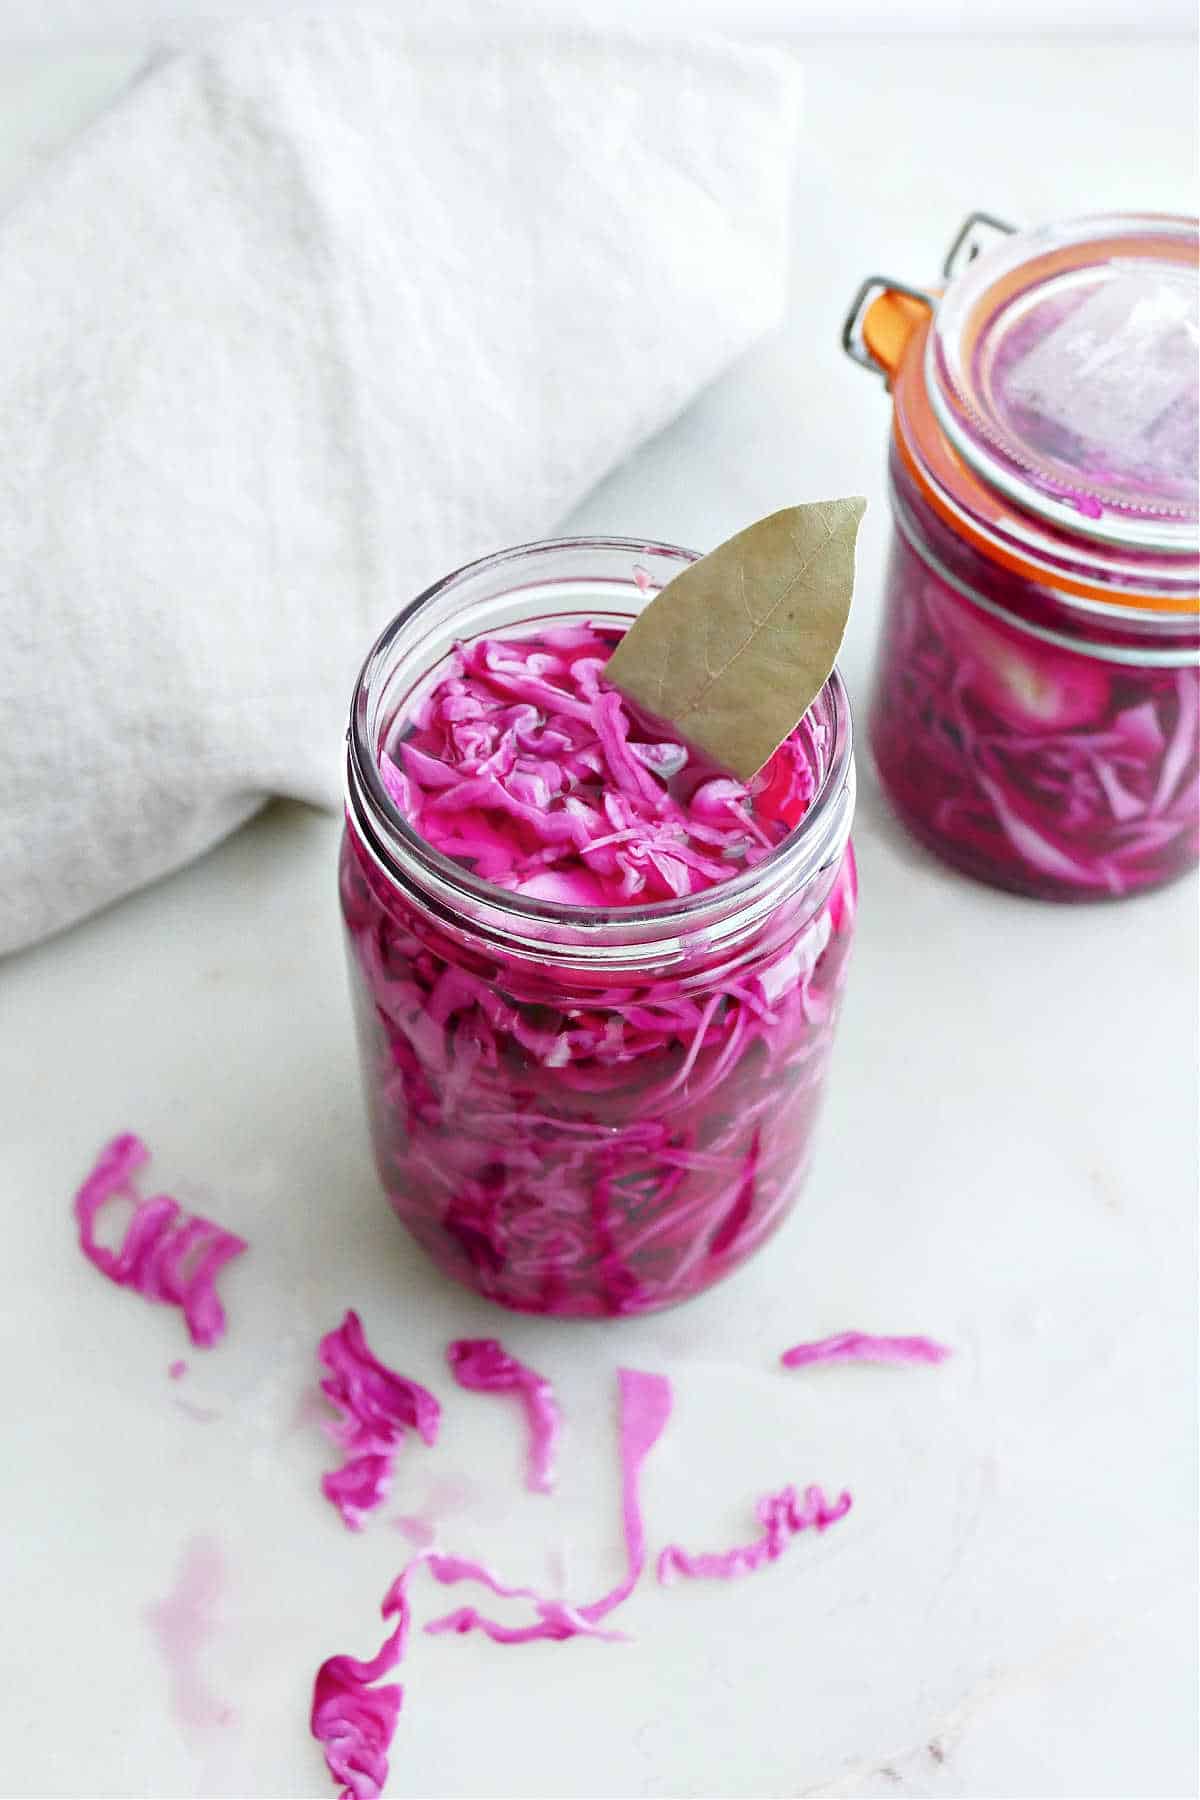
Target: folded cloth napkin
[{"x": 313, "y": 315}]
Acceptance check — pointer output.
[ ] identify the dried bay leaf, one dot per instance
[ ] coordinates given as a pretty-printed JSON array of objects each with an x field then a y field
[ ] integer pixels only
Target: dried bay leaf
[{"x": 736, "y": 647}]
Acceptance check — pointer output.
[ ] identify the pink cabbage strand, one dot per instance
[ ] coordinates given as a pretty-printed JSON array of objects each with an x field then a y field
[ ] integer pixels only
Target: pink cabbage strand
[
  {"x": 555, "y": 1619},
  {"x": 354, "y": 1721},
  {"x": 483, "y": 1366},
  {"x": 781, "y": 1515},
  {"x": 645, "y": 1402},
  {"x": 359, "y": 1486},
  {"x": 376, "y": 1408},
  {"x": 645, "y": 1406},
  {"x": 166, "y": 1255},
  {"x": 860, "y": 1346}
]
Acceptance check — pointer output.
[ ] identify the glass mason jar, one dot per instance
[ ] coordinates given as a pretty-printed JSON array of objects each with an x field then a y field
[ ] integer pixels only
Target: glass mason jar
[
  {"x": 576, "y": 1111},
  {"x": 1036, "y": 713}
]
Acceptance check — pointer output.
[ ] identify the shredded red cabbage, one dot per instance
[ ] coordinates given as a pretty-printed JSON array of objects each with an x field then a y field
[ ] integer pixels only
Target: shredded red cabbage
[
  {"x": 645, "y": 1407},
  {"x": 166, "y": 1254},
  {"x": 781, "y": 1515},
  {"x": 484, "y": 1366},
  {"x": 860, "y": 1346},
  {"x": 1033, "y": 767},
  {"x": 359, "y": 1486},
  {"x": 376, "y": 1408},
  {"x": 519, "y": 764},
  {"x": 555, "y": 1618},
  {"x": 588, "y": 1145},
  {"x": 353, "y": 1721}
]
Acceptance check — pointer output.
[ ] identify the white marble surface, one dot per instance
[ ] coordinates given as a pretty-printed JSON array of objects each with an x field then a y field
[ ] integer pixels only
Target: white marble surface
[{"x": 1008, "y": 1161}]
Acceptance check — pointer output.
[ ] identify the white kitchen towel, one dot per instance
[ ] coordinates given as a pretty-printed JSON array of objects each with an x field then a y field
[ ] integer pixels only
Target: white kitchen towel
[{"x": 310, "y": 317}]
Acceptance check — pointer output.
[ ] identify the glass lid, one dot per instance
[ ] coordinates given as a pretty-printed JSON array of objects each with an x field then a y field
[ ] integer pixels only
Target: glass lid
[{"x": 1062, "y": 364}]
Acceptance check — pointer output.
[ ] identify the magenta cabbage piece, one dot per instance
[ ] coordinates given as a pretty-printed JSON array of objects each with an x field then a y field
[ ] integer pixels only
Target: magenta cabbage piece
[
  {"x": 645, "y": 1402},
  {"x": 484, "y": 1366},
  {"x": 166, "y": 1254},
  {"x": 645, "y": 1407},
  {"x": 555, "y": 1618},
  {"x": 354, "y": 1721},
  {"x": 1031, "y": 766},
  {"x": 376, "y": 1409},
  {"x": 860, "y": 1346},
  {"x": 590, "y": 1143},
  {"x": 781, "y": 1515},
  {"x": 361, "y": 1484}
]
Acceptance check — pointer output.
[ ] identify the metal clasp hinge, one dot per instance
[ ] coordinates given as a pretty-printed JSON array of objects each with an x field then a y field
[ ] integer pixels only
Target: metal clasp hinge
[
  {"x": 969, "y": 242},
  {"x": 853, "y": 341}
]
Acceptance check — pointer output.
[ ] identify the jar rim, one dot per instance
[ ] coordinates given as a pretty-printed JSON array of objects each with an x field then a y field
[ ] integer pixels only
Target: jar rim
[
  {"x": 403, "y": 854},
  {"x": 1126, "y": 655}
]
